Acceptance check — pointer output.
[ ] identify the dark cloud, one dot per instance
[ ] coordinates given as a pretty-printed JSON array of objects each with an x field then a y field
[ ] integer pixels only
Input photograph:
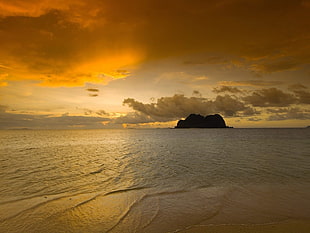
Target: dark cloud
[
  {"x": 92, "y": 89},
  {"x": 88, "y": 112},
  {"x": 102, "y": 113},
  {"x": 180, "y": 106},
  {"x": 221, "y": 89},
  {"x": 302, "y": 95},
  {"x": 169, "y": 107},
  {"x": 229, "y": 105},
  {"x": 93, "y": 92},
  {"x": 271, "y": 97},
  {"x": 249, "y": 111},
  {"x": 197, "y": 93},
  {"x": 272, "y": 101}
]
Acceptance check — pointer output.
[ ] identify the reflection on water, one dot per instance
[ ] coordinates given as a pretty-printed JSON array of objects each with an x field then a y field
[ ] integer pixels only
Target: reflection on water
[{"x": 151, "y": 180}]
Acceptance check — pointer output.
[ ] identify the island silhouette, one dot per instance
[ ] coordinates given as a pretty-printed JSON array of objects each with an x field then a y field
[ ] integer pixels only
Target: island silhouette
[{"x": 199, "y": 121}]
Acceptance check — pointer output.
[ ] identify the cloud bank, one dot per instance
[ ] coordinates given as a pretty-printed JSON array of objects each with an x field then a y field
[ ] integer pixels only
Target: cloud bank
[
  {"x": 275, "y": 102},
  {"x": 9, "y": 120},
  {"x": 71, "y": 42},
  {"x": 267, "y": 104}
]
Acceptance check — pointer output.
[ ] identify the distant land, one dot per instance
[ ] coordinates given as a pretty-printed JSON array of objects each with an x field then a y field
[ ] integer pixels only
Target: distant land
[{"x": 199, "y": 121}]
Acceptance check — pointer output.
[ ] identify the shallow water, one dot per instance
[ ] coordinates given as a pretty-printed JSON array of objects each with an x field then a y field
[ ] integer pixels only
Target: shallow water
[{"x": 155, "y": 180}]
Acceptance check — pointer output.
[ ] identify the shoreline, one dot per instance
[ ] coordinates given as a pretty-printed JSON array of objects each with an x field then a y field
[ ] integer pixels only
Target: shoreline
[{"x": 287, "y": 226}]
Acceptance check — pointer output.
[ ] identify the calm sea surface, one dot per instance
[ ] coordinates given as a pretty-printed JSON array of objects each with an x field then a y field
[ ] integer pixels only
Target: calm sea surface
[{"x": 156, "y": 180}]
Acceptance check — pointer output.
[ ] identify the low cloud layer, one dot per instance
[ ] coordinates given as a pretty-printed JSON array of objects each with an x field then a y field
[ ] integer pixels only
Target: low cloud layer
[
  {"x": 180, "y": 106},
  {"x": 274, "y": 102},
  {"x": 271, "y": 97},
  {"x": 16, "y": 121},
  {"x": 267, "y": 104},
  {"x": 290, "y": 113}
]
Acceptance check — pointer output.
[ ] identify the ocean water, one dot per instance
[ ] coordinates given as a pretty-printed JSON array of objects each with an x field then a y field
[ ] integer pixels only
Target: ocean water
[{"x": 154, "y": 180}]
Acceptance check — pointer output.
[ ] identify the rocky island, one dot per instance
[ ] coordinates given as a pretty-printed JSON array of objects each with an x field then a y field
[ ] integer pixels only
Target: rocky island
[{"x": 199, "y": 121}]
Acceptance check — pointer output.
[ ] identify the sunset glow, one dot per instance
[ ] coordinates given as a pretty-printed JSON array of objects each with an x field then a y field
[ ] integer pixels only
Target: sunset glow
[{"x": 149, "y": 63}]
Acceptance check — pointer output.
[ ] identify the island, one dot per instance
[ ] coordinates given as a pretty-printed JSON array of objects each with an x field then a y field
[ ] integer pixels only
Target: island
[{"x": 199, "y": 121}]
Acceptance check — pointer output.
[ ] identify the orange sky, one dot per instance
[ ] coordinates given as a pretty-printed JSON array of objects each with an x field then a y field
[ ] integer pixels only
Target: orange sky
[{"x": 148, "y": 63}]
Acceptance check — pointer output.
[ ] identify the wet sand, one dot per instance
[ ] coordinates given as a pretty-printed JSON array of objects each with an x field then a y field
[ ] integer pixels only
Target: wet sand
[{"x": 300, "y": 226}]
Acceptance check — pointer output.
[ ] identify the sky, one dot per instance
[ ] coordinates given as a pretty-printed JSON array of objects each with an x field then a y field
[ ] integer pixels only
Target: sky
[{"x": 67, "y": 64}]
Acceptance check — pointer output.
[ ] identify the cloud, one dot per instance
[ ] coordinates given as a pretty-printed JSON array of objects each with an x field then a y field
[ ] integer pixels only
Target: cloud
[
  {"x": 290, "y": 113},
  {"x": 254, "y": 105},
  {"x": 197, "y": 93},
  {"x": 254, "y": 119},
  {"x": 169, "y": 108},
  {"x": 303, "y": 96},
  {"x": 75, "y": 11},
  {"x": 297, "y": 87},
  {"x": 27, "y": 8},
  {"x": 180, "y": 106},
  {"x": 277, "y": 110},
  {"x": 102, "y": 113},
  {"x": 93, "y": 92},
  {"x": 15, "y": 121},
  {"x": 250, "y": 111},
  {"x": 92, "y": 89},
  {"x": 91, "y": 112},
  {"x": 69, "y": 43},
  {"x": 229, "y": 105},
  {"x": 54, "y": 49},
  {"x": 275, "y": 66},
  {"x": 301, "y": 92},
  {"x": 250, "y": 83},
  {"x": 271, "y": 97},
  {"x": 133, "y": 118},
  {"x": 229, "y": 89}
]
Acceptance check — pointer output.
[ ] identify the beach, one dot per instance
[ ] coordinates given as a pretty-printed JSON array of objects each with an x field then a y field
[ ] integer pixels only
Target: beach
[
  {"x": 300, "y": 226},
  {"x": 150, "y": 181}
]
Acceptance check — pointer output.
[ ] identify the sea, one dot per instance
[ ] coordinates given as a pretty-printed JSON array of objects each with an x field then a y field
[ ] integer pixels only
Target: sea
[{"x": 151, "y": 180}]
